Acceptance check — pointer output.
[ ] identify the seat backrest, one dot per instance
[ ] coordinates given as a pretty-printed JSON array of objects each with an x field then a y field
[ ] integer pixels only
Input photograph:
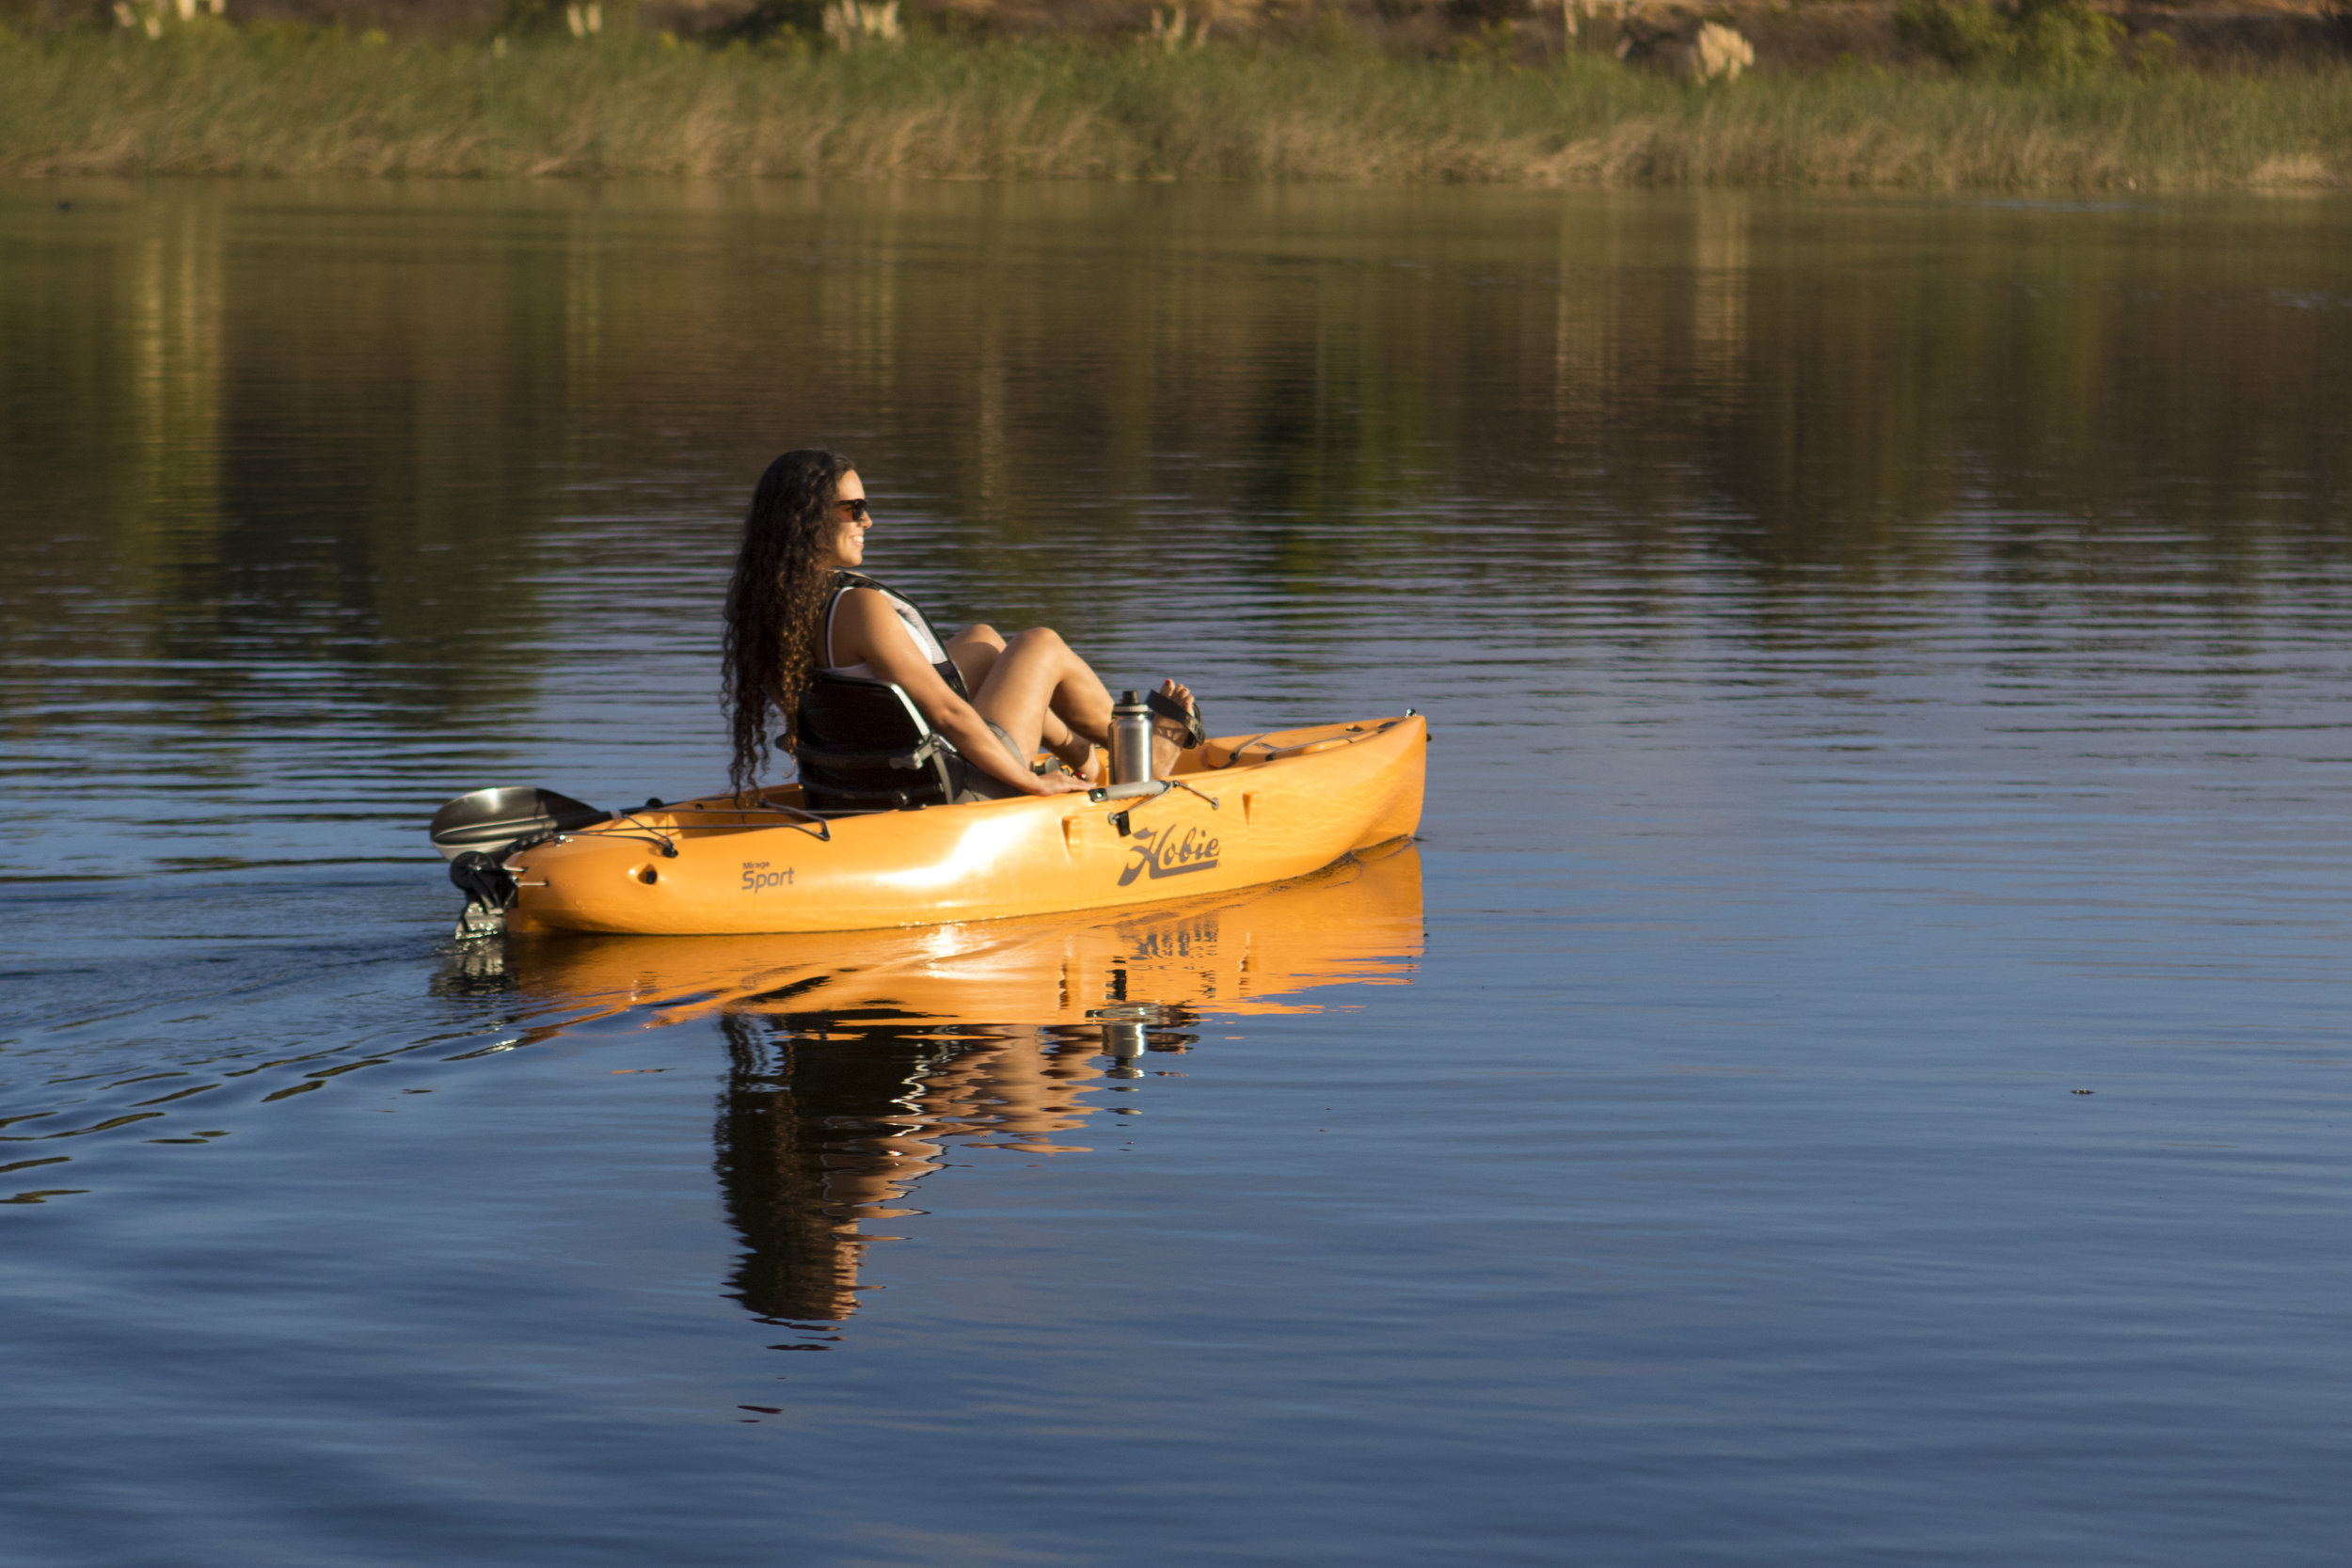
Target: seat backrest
[{"x": 864, "y": 746}]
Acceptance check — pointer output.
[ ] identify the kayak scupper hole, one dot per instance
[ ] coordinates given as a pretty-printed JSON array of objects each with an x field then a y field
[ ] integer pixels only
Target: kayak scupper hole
[{"x": 646, "y": 875}]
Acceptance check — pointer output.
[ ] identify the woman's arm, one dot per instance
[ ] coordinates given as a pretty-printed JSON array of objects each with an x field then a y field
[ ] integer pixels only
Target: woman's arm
[{"x": 865, "y": 631}]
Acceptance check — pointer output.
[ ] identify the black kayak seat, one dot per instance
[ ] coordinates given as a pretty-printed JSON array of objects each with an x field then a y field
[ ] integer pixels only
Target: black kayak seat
[{"x": 863, "y": 745}]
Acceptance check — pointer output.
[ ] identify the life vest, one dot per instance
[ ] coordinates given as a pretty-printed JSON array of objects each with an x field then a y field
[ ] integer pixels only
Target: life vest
[{"x": 844, "y": 581}]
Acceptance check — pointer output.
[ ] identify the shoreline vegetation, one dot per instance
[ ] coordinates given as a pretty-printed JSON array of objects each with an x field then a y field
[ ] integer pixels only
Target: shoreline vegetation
[{"x": 1993, "y": 104}]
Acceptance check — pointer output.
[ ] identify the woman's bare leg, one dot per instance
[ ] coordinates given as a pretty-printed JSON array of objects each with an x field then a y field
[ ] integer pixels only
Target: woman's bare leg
[
  {"x": 1039, "y": 690},
  {"x": 975, "y": 651},
  {"x": 1074, "y": 750}
]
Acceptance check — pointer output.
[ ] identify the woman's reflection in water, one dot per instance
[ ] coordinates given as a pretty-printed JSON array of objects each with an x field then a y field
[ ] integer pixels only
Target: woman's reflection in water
[{"x": 828, "y": 1119}]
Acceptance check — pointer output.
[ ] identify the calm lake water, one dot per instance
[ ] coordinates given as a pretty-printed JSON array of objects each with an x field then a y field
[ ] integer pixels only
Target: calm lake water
[{"x": 1856, "y": 1071}]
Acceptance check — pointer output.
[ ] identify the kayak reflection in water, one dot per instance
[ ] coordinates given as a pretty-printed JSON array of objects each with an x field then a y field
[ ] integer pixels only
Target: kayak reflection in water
[
  {"x": 856, "y": 1059},
  {"x": 797, "y": 605}
]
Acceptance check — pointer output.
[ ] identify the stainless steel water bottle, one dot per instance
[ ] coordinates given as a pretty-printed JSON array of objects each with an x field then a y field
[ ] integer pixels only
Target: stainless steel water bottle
[{"x": 1131, "y": 741}]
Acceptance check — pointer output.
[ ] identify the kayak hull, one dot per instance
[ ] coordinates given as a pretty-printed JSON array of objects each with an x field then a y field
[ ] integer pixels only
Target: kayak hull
[{"x": 1245, "y": 810}]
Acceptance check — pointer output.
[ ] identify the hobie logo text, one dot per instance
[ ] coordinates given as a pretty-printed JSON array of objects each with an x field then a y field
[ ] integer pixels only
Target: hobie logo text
[{"x": 1168, "y": 852}]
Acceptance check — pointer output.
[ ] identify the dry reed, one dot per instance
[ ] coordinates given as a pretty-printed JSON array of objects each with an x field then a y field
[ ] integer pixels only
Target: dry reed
[{"x": 214, "y": 100}]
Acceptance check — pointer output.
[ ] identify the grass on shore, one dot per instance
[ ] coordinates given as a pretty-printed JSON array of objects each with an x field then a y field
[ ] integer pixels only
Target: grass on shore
[{"x": 216, "y": 100}]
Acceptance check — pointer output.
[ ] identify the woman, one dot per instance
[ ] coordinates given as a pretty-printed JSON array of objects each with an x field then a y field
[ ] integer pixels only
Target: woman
[{"x": 793, "y": 608}]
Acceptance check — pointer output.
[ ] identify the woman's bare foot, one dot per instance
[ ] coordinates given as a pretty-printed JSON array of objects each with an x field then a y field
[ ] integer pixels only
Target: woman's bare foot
[
  {"x": 1076, "y": 753},
  {"x": 1169, "y": 735}
]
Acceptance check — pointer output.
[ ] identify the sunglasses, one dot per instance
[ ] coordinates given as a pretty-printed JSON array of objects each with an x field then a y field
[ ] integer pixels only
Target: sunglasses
[{"x": 857, "y": 510}]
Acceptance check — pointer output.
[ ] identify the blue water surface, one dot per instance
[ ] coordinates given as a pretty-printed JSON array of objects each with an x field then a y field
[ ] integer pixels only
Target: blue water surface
[{"x": 1853, "y": 1071}]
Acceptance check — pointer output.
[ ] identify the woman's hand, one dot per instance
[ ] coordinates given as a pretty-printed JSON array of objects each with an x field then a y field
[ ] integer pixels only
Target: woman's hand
[{"x": 1057, "y": 783}]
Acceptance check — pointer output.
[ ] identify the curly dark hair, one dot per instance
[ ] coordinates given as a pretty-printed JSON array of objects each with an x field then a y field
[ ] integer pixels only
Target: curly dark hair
[{"x": 775, "y": 605}]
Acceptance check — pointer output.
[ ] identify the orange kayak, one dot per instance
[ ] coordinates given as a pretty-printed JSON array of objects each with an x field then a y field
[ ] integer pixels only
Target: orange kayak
[{"x": 1237, "y": 812}]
